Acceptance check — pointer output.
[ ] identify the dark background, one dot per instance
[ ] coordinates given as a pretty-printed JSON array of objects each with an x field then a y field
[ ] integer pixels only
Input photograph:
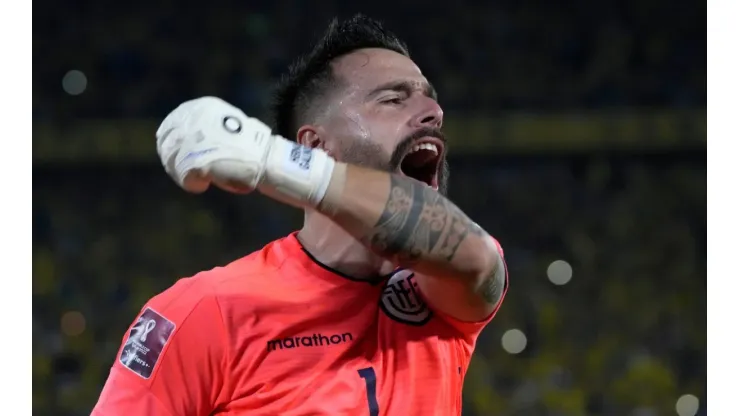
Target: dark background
[{"x": 578, "y": 133}]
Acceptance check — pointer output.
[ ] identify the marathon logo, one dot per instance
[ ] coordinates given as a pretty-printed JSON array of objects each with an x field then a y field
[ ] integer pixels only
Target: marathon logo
[{"x": 316, "y": 340}]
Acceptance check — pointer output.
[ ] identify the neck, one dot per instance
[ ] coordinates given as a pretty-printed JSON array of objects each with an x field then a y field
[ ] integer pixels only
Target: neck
[{"x": 336, "y": 248}]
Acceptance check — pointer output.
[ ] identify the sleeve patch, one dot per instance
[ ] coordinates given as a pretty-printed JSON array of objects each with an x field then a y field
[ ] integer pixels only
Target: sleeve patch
[{"x": 145, "y": 342}]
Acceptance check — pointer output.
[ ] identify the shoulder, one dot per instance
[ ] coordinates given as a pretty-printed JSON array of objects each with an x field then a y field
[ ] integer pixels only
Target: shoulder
[
  {"x": 180, "y": 302},
  {"x": 245, "y": 277}
]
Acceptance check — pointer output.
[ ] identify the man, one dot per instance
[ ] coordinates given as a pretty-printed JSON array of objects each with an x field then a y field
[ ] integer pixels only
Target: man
[{"x": 374, "y": 306}]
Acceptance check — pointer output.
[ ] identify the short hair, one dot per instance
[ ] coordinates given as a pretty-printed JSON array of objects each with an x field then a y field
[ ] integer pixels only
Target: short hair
[{"x": 311, "y": 78}]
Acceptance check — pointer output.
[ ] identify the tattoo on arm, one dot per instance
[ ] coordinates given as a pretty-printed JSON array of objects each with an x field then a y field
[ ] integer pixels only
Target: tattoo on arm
[
  {"x": 419, "y": 222},
  {"x": 492, "y": 288}
]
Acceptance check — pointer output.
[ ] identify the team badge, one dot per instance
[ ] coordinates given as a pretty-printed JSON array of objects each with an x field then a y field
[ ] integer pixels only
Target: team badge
[{"x": 401, "y": 300}]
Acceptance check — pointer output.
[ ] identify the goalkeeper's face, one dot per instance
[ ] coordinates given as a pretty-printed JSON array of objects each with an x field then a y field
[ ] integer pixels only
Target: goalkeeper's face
[{"x": 385, "y": 115}]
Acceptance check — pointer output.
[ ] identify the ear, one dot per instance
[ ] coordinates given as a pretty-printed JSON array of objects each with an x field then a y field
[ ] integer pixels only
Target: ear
[
  {"x": 311, "y": 136},
  {"x": 308, "y": 136},
  {"x": 316, "y": 137}
]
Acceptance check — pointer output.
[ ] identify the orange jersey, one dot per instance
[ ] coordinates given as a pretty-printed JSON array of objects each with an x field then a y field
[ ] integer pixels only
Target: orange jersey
[{"x": 277, "y": 333}]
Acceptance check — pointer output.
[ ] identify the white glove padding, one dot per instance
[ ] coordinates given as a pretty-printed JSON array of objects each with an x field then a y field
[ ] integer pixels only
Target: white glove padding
[{"x": 208, "y": 140}]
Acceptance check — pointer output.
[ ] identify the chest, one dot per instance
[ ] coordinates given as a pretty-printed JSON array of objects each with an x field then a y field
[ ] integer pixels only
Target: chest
[{"x": 385, "y": 354}]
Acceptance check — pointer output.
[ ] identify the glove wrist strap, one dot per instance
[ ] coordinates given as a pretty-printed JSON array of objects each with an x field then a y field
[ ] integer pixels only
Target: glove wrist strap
[{"x": 296, "y": 174}]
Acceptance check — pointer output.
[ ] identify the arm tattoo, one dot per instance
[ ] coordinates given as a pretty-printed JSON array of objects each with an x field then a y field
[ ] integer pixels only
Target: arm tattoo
[
  {"x": 418, "y": 222},
  {"x": 493, "y": 287}
]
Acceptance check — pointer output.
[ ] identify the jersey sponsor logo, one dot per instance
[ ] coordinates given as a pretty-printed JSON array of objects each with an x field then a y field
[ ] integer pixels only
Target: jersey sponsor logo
[
  {"x": 145, "y": 342},
  {"x": 401, "y": 301},
  {"x": 315, "y": 340}
]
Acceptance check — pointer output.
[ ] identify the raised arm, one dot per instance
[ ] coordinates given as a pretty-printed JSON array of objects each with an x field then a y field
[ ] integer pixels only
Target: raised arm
[{"x": 461, "y": 268}]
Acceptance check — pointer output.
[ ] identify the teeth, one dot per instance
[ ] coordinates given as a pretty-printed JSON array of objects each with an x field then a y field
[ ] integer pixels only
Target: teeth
[{"x": 425, "y": 146}]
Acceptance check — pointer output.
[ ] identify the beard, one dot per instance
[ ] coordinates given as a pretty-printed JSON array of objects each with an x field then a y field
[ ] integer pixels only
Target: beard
[{"x": 369, "y": 154}]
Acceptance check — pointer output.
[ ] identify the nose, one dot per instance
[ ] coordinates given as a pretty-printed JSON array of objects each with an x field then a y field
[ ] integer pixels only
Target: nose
[{"x": 430, "y": 114}]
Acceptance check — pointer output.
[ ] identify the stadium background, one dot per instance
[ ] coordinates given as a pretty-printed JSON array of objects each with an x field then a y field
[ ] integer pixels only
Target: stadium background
[{"x": 578, "y": 133}]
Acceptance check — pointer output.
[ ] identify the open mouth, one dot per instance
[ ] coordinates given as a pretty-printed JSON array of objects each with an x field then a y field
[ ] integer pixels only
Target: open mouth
[{"x": 423, "y": 160}]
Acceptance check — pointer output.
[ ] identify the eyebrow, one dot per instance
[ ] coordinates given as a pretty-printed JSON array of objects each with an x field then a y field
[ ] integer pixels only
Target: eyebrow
[{"x": 405, "y": 86}]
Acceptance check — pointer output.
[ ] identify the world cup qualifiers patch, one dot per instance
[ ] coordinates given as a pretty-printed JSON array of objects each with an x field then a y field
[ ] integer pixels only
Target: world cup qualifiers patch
[
  {"x": 401, "y": 300},
  {"x": 145, "y": 342}
]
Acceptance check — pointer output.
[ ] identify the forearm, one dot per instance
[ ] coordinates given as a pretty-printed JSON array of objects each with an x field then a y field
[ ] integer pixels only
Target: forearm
[{"x": 408, "y": 223}]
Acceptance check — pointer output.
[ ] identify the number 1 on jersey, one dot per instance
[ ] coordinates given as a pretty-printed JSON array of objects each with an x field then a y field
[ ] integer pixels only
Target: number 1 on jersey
[{"x": 368, "y": 374}]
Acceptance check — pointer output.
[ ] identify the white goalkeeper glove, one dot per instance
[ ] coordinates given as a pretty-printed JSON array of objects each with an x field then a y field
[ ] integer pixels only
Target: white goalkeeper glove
[{"x": 208, "y": 140}]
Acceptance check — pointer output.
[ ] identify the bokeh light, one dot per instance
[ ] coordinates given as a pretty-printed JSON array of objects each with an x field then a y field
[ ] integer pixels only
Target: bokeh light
[
  {"x": 559, "y": 272},
  {"x": 514, "y": 341},
  {"x": 73, "y": 323},
  {"x": 687, "y": 405},
  {"x": 74, "y": 82}
]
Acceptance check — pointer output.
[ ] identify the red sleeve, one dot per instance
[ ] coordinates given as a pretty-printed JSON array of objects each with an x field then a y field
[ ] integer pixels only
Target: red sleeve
[
  {"x": 471, "y": 330},
  {"x": 172, "y": 359}
]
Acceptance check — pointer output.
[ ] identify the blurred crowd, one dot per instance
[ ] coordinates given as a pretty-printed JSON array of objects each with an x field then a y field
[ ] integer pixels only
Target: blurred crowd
[
  {"x": 625, "y": 333},
  {"x": 141, "y": 58}
]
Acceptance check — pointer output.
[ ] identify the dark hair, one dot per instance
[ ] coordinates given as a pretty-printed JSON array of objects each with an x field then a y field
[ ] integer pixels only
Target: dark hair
[{"x": 311, "y": 78}]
